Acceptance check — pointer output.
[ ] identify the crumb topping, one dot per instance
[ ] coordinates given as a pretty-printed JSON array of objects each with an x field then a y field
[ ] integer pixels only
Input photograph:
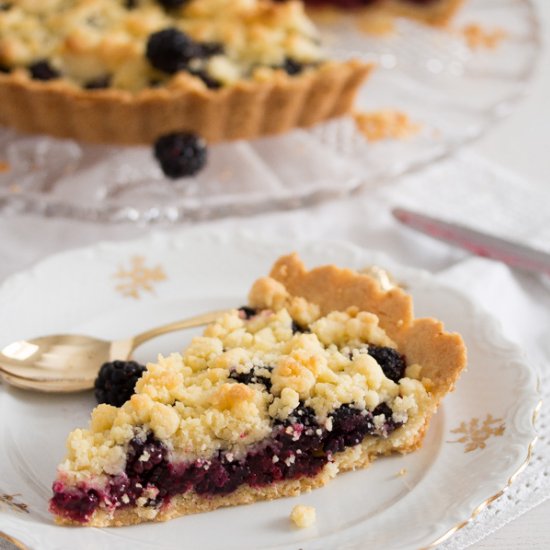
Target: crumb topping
[
  {"x": 229, "y": 387},
  {"x": 303, "y": 516},
  {"x": 95, "y": 41}
]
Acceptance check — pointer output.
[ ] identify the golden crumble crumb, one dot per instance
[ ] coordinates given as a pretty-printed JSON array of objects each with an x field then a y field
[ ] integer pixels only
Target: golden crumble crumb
[
  {"x": 4, "y": 166},
  {"x": 477, "y": 36},
  {"x": 402, "y": 473},
  {"x": 303, "y": 516},
  {"x": 386, "y": 124}
]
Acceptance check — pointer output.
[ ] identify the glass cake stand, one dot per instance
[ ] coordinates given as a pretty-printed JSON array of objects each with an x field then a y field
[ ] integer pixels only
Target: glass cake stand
[{"x": 452, "y": 91}]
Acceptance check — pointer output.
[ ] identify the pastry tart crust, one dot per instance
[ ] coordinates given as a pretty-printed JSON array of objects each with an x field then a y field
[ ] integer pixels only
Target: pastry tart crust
[{"x": 245, "y": 110}]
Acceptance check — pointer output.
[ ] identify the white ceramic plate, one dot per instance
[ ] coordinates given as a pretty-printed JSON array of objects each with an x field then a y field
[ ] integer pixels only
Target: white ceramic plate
[
  {"x": 454, "y": 92},
  {"x": 105, "y": 291}
]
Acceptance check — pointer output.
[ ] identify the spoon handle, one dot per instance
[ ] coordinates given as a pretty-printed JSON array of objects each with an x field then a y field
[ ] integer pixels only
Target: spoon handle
[{"x": 197, "y": 321}]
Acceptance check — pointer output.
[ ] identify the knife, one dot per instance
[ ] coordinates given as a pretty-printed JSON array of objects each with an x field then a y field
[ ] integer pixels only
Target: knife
[{"x": 481, "y": 244}]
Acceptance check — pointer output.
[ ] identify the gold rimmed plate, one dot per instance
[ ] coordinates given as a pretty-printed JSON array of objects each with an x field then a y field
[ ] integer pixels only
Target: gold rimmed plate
[{"x": 478, "y": 441}]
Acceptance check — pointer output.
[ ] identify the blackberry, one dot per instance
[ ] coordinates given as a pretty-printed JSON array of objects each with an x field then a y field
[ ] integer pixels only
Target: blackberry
[
  {"x": 392, "y": 362},
  {"x": 292, "y": 67},
  {"x": 251, "y": 377},
  {"x": 298, "y": 328},
  {"x": 42, "y": 70},
  {"x": 349, "y": 428},
  {"x": 172, "y": 4},
  {"x": 303, "y": 415},
  {"x": 389, "y": 425},
  {"x": 98, "y": 83},
  {"x": 209, "y": 81},
  {"x": 116, "y": 380},
  {"x": 209, "y": 49},
  {"x": 143, "y": 456},
  {"x": 247, "y": 311},
  {"x": 170, "y": 50},
  {"x": 180, "y": 154}
]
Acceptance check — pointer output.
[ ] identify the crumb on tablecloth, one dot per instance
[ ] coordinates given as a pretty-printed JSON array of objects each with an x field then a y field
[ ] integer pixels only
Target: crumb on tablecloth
[
  {"x": 477, "y": 36},
  {"x": 385, "y": 124},
  {"x": 4, "y": 166},
  {"x": 303, "y": 516}
]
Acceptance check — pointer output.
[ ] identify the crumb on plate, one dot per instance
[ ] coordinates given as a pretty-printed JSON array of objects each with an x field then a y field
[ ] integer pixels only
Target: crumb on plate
[
  {"x": 477, "y": 36},
  {"x": 303, "y": 516},
  {"x": 385, "y": 124},
  {"x": 402, "y": 472}
]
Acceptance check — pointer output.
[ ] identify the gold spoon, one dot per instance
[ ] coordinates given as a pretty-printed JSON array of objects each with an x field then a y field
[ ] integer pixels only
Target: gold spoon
[{"x": 70, "y": 363}]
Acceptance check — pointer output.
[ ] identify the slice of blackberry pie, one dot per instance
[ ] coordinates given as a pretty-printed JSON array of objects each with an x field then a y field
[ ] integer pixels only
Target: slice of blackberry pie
[{"x": 321, "y": 373}]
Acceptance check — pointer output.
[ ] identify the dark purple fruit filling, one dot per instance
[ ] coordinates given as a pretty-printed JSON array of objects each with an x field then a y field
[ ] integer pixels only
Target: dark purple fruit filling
[
  {"x": 299, "y": 447},
  {"x": 116, "y": 381},
  {"x": 42, "y": 70},
  {"x": 170, "y": 50},
  {"x": 209, "y": 81},
  {"x": 247, "y": 312},
  {"x": 98, "y": 83},
  {"x": 78, "y": 504},
  {"x": 298, "y": 328},
  {"x": 392, "y": 362},
  {"x": 172, "y": 4},
  {"x": 252, "y": 377}
]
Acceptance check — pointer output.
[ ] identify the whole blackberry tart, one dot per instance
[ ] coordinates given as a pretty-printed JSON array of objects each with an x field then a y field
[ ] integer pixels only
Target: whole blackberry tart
[
  {"x": 254, "y": 409},
  {"x": 128, "y": 71}
]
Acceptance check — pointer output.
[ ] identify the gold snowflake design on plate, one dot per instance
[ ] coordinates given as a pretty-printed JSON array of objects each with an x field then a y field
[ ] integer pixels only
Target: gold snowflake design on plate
[
  {"x": 138, "y": 278},
  {"x": 12, "y": 502},
  {"x": 476, "y": 433}
]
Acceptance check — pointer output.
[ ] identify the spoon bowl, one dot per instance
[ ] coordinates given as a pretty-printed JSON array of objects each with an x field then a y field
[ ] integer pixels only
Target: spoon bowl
[{"x": 70, "y": 362}]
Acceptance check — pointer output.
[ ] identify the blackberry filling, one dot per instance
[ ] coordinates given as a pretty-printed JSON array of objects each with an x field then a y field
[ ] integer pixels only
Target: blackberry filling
[
  {"x": 210, "y": 82},
  {"x": 170, "y": 50},
  {"x": 172, "y": 4},
  {"x": 98, "y": 83},
  {"x": 298, "y": 328},
  {"x": 293, "y": 67},
  {"x": 392, "y": 362},
  {"x": 42, "y": 70},
  {"x": 248, "y": 312},
  {"x": 252, "y": 377},
  {"x": 299, "y": 447}
]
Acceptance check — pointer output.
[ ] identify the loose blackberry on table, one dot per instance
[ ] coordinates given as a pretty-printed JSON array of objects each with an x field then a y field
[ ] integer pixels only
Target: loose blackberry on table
[{"x": 180, "y": 154}]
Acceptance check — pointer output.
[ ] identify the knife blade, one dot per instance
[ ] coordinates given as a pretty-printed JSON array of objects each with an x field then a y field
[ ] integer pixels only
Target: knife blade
[{"x": 488, "y": 246}]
